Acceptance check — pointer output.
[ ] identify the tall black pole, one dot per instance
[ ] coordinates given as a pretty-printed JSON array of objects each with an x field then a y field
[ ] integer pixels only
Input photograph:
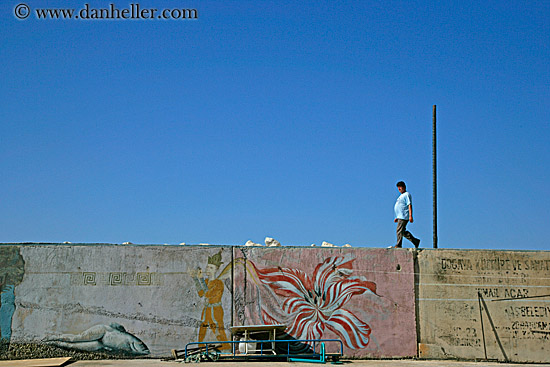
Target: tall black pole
[
  {"x": 232, "y": 286},
  {"x": 434, "y": 169}
]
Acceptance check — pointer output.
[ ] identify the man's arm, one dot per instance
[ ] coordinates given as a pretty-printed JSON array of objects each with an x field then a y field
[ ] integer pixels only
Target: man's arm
[{"x": 410, "y": 213}]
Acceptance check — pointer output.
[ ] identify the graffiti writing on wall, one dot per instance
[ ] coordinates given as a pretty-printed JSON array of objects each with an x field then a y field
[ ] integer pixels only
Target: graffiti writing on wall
[
  {"x": 491, "y": 305},
  {"x": 12, "y": 269}
]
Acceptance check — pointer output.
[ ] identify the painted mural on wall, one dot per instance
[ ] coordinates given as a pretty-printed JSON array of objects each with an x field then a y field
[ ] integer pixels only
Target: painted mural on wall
[
  {"x": 210, "y": 288},
  {"x": 168, "y": 296},
  {"x": 12, "y": 269},
  {"x": 111, "y": 338},
  {"x": 312, "y": 305}
]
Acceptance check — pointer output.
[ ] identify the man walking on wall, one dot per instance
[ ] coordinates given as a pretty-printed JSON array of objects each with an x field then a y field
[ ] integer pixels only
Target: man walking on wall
[{"x": 403, "y": 215}]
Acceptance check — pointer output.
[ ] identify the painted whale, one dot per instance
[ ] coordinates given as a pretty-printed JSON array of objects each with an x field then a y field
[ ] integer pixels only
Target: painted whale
[{"x": 111, "y": 338}]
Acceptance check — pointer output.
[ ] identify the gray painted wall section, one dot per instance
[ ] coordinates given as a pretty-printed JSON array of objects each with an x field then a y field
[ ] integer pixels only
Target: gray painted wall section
[{"x": 68, "y": 290}]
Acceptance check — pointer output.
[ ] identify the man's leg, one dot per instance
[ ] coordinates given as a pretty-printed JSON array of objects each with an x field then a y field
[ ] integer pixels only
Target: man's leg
[
  {"x": 401, "y": 229},
  {"x": 408, "y": 235}
]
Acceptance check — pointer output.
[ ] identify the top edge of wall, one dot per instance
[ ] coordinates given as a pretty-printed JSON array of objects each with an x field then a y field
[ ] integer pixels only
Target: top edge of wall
[{"x": 243, "y": 246}]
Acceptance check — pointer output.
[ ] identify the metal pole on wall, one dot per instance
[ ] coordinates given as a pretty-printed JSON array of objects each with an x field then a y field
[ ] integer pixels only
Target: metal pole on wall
[
  {"x": 232, "y": 286},
  {"x": 434, "y": 170}
]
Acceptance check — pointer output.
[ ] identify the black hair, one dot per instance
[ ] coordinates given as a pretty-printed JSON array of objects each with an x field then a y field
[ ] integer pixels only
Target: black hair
[{"x": 401, "y": 184}]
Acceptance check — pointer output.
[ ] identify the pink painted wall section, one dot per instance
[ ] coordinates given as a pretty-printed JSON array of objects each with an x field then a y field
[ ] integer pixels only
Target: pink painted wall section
[{"x": 365, "y": 297}]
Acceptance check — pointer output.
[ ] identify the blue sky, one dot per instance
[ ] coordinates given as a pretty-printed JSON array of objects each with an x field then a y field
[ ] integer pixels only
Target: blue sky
[{"x": 288, "y": 119}]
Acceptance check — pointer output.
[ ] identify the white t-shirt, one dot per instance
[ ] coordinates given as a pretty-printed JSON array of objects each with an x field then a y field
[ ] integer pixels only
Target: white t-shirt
[{"x": 402, "y": 206}]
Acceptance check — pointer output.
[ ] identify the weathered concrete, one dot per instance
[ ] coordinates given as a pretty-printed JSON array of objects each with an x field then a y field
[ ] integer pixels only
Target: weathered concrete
[
  {"x": 151, "y": 299},
  {"x": 75, "y": 296},
  {"x": 146, "y": 300},
  {"x": 484, "y": 304},
  {"x": 365, "y": 297}
]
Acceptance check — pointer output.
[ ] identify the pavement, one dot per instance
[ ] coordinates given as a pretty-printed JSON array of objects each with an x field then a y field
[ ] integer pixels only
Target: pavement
[{"x": 349, "y": 363}]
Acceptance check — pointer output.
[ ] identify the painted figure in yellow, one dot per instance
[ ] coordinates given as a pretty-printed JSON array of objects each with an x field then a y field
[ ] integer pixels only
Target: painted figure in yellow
[{"x": 211, "y": 289}]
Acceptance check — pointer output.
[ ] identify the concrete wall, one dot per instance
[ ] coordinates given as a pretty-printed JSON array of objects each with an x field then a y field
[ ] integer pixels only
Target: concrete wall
[
  {"x": 124, "y": 299},
  {"x": 387, "y": 303},
  {"x": 484, "y": 305},
  {"x": 365, "y": 297},
  {"x": 151, "y": 299}
]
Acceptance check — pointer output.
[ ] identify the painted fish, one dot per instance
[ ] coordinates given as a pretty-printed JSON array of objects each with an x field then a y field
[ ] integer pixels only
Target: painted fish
[{"x": 111, "y": 338}]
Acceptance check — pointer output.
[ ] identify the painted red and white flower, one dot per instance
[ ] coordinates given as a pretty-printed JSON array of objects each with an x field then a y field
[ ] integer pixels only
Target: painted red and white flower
[{"x": 314, "y": 304}]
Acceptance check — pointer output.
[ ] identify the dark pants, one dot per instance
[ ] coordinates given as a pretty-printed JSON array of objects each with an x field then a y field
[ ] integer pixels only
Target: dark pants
[{"x": 402, "y": 232}]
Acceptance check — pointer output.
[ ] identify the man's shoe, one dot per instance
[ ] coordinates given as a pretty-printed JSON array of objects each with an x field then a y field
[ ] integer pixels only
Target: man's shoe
[{"x": 416, "y": 243}]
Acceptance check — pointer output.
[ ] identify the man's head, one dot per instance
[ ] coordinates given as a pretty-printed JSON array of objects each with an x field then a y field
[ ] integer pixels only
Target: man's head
[{"x": 401, "y": 187}]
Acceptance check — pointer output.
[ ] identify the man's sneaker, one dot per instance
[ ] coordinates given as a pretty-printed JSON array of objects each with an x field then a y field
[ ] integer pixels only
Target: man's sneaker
[{"x": 416, "y": 243}]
